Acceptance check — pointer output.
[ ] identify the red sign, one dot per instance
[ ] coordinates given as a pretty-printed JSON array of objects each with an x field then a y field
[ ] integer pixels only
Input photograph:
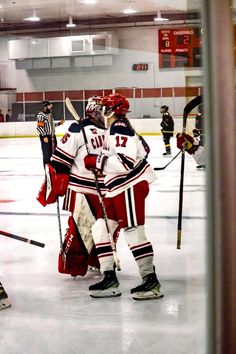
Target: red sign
[{"x": 180, "y": 47}]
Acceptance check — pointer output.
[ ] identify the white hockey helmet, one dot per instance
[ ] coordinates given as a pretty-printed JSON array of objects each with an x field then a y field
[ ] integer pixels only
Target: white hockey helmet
[{"x": 94, "y": 109}]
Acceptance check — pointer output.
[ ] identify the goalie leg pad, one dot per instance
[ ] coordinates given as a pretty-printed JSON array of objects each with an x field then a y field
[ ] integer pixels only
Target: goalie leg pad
[
  {"x": 73, "y": 258},
  {"x": 84, "y": 220}
]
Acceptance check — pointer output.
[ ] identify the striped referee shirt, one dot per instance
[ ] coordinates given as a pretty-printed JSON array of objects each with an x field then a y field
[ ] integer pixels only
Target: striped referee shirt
[{"x": 46, "y": 124}]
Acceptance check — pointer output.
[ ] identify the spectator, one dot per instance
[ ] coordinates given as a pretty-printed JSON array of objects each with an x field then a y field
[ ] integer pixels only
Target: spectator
[
  {"x": 1, "y": 116},
  {"x": 9, "y": 115}
]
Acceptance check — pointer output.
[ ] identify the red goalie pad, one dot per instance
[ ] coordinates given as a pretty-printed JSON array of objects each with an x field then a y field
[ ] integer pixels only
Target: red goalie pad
[
  {"x": 72, "y": 264},
  {"x": 74, "y": 258},
  {"x": 54, "y": 185}
]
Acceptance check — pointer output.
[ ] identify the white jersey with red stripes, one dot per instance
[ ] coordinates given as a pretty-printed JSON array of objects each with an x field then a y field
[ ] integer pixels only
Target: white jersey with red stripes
[
  {"x": 71, "y": 150},
  {"x": 126, "y": 164}
]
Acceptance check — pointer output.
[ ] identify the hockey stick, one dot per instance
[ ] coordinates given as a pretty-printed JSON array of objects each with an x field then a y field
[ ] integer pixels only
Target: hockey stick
[
  {"x": 23, "y": 239},
  {"x": 113, "y": 246},
  {"x": 162, "y": 168},
  {"x": 60, "y": 233},
  {"x": 59, "y": 223},
  {"x": 187, "y": 109}
]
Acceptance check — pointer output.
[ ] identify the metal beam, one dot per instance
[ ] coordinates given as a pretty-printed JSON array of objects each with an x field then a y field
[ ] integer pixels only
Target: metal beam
[{"x": 219, "y": 93}]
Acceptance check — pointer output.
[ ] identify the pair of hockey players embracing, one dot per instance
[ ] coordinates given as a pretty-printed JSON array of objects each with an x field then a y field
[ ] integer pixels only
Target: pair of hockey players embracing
[{"x": 100, "y": 167}]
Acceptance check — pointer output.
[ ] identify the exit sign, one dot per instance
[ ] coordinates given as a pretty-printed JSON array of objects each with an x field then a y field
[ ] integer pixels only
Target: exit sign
[{"x": 140, "y": 67}]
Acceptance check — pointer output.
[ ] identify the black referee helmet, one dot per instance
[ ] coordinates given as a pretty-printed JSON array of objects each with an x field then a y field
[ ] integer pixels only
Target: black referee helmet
[{"x": 46, "y": 103}]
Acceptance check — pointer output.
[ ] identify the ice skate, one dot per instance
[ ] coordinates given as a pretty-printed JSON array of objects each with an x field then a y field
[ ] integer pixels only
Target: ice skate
[
  {"x": 148, "y": 290},
  {"x": 92, "y": 269},
  {"x": 167, "y": 153},
  {"x": 4, "y": 302},
  {"x": 107, "y": 287}
]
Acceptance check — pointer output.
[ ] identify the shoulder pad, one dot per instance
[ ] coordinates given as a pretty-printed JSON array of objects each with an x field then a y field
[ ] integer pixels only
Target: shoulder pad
[
  {"x": 86, "y": 122},
  {"x": 74, "y": 128},
  {"x": 119, "y": 127},
  {"x": 41, "y": 114}
]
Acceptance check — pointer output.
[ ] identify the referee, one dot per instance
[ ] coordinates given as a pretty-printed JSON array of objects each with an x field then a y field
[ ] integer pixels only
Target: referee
[{"x": 46, "y": 129}]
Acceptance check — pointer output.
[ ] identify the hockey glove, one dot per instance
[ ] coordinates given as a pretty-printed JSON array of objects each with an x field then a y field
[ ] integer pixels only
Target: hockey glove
[
  {"x": 54, "y": 185},
  {"x": 95, "y": 162},
  {"x": 185, "y": 141}
]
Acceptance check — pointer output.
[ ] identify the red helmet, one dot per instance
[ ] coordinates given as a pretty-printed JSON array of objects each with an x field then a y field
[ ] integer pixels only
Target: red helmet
[
  {"x": 115, "y": 103},
  {"x": 93, "y": 108}
]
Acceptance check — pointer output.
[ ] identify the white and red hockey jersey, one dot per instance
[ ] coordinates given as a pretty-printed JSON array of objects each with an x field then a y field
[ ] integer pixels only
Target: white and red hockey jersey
[
  {"x": 70, "y": 152},
  {"x": 126, "y": 164}
]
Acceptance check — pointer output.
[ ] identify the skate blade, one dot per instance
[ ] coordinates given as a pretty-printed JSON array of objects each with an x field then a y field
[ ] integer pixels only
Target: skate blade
[
  {"x": 149, "y": 295},
  {"x": 93, "y": 269},
  {"x": 4, "y": 304},
  {"x": 114, "y": 292}
]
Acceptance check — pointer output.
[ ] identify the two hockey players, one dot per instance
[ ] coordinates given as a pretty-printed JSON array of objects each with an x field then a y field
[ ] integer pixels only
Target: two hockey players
[
  {"x": 127, "y": 178},
  {"x": 120, "y": 156}
]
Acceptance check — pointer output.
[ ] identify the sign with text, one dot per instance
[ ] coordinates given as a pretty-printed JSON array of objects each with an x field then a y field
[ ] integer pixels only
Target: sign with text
[{"x": 180, "y": 47}]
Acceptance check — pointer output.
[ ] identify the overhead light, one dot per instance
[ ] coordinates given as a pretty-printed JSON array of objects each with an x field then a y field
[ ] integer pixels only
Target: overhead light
[
  {"x": 89, "y": 2},
  {"x": 158, "y": 18},
  {"x": 70, "y": 24},
  {"x": 33, "y": 18},
  {"x": 129, "y": 11}
]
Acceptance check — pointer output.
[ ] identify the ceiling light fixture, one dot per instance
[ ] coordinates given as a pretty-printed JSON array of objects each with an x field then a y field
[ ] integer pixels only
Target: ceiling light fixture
[
  {"x": 89, "y": 2},
  {"x": 129, "y": 11},
  {"x": 70, "y": 24},
  {"x": 158, "y": 18},
  {"x": 33, "y": 18}
]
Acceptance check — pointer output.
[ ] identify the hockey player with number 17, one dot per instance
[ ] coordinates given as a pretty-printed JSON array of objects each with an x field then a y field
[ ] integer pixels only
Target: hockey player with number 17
[{"x": 127, "y": 177}]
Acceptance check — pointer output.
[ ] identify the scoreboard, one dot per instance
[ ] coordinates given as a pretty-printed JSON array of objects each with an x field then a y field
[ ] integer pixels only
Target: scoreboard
[{"x": 180, "y": 47}]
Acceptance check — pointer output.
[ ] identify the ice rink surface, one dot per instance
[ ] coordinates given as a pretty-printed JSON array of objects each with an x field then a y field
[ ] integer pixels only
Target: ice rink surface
[{"x": 52, "y": 313}]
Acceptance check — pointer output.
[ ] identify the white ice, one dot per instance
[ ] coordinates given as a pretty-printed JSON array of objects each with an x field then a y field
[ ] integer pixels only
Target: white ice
[{"x": 52, "y": 313}]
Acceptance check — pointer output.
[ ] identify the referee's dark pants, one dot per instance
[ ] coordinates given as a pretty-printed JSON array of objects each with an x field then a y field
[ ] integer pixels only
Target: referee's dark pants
[{"x": 48, "y": 148}]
